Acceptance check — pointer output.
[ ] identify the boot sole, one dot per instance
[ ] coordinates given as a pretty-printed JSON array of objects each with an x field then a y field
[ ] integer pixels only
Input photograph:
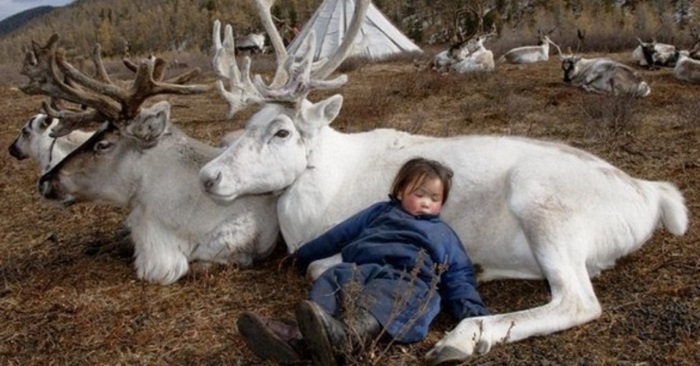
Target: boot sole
[
  {"x": 315, "y": 335},
  {"x": 264, "y": 343}
]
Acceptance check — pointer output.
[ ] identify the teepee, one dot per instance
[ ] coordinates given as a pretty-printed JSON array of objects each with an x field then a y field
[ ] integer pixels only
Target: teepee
[{"x": 378, "y": 38}]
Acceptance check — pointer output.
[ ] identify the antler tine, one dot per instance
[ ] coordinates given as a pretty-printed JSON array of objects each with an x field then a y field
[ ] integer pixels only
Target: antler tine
[
  {"x": 242, "y": 91},
  {"x": 100, "y": 70},
  {"x": 71, "y": 120},
  {"x": 224, "y": 53},
  {"x": 557, "y": 47},
  {"x": 177, "y": 79},
  {"x": 41, "y": 67},
  {"x": 301, "y": 81},
  {"x": 145, "y": 86},
  {"x": 264, "y": 8}
]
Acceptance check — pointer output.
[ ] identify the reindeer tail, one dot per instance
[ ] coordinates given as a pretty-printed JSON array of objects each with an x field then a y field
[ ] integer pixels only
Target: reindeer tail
[{"x": 674, "y": 213}]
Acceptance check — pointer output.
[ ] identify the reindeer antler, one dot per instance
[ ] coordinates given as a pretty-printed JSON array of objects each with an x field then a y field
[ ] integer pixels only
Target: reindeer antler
[
  {"x": 46, "y": 68},
  {"x": 294, "y": 79}
]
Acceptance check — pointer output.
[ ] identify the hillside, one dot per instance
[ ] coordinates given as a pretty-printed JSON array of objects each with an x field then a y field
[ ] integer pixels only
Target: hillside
[
  {"x": 19, "y": 20},
  {"x": 185, "y": 25}
]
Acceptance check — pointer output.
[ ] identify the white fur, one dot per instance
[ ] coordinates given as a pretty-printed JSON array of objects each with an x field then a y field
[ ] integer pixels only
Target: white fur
[
  {"x": 687, "y": 69},
  {"x": 528, "y": 54},
  {"x": 524, "y": 208},
  {"x": 34, "y": 141},
  {"x": 152, "y": 168},
  {"x": 456, "y": 53},
  {"x": 479, "y": 60}
]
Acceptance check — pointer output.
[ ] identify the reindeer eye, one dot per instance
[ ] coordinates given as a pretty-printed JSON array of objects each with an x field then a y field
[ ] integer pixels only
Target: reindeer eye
[
  {"x": 26, "y": 132},
  {"x": 282, "y": 133},
  {"x": 102, "y": 146}
]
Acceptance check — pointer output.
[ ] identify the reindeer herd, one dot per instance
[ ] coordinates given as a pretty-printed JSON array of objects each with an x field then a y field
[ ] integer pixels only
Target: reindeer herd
[
  {"x": 290, "y": 173},
  {"x": 599, "y": 75}
]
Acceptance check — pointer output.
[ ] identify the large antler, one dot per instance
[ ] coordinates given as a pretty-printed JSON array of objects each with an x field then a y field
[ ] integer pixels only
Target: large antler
[
  {"x": 294, "y": 79},
  {"x": 47, "y": 69}
]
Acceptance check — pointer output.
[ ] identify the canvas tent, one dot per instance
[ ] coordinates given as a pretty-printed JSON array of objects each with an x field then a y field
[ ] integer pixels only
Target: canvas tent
[{"x": 378, "y": 38}]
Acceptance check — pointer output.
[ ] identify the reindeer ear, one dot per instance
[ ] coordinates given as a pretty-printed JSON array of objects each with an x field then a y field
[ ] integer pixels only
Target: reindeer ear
[
  {"x": 324, "y": 111},
  {"x": 150, "y": 124}
]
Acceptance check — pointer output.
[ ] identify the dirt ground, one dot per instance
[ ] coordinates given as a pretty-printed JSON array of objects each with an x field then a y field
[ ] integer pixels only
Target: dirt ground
[{"x": 69, "y": 294}]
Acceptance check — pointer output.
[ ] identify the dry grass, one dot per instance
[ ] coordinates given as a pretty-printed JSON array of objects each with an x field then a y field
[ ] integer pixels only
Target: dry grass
[{"x": 69, "y": 295}]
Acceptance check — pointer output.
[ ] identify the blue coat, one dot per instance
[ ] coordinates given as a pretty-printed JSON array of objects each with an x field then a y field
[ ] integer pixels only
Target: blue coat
[{"x": 398, "y": 261}]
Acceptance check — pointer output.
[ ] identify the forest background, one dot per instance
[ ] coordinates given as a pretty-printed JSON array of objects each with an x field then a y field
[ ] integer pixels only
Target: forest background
[{"x": 158, "y": 26}]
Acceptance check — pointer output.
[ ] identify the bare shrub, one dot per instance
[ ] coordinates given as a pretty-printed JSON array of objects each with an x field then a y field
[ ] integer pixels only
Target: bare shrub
[
  {"x": 376, "y": 350},
  {"x": 609, "y": 117},
  {"x": 689, "y": 114}
]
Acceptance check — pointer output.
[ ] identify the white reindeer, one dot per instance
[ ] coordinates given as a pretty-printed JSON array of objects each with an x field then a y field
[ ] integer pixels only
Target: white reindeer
[
  {"x": 479, "y": 60},
  {"x": 143, "y": 162},
  {"x": 529, "y": 54},
  {"x": 34, "y": 141},
  {"x": 604, "y": 76},
  {"x": 687, "y": 69},
  {"x": 457, "y": 52},
  {"x": 525, "y": 209}
]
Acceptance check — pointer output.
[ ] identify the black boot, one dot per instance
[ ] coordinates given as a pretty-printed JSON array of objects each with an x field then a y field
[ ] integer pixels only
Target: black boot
[
  {"x": 271, "y": 339},
  {"x": 361, "y": 327},
  {"x": 328, "y": 339},
  {"x": 321, "y": 332}
]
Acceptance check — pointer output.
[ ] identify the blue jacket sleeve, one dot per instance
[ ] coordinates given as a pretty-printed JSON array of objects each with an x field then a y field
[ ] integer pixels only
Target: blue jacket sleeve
[
  {"x": 336, "y": 238},
  {"x": 458, "y": 283}
]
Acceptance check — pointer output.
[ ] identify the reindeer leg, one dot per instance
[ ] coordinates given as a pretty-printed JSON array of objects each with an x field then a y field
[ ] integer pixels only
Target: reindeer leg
[
  {"x": 573, "y": 302},
  {"x": 559, "y": 242}
]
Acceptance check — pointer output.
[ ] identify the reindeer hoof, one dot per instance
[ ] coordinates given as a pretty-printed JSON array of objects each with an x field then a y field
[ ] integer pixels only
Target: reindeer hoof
[{"x": 445, "y": 356}]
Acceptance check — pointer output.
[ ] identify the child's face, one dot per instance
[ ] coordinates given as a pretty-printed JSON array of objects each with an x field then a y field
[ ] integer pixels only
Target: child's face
[{"x": 424, "y": 199}]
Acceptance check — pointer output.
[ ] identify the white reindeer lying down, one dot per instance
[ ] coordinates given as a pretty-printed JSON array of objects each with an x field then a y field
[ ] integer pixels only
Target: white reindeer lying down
[
  {"x": 457, "y": 52},
  {"x": 153, "y": 170},
  {"x": 34, "y": 141},
  {"x": 479, "y": 59},
  {"x": 525, "y": 209},
  {"x": 529, "y": 54}
]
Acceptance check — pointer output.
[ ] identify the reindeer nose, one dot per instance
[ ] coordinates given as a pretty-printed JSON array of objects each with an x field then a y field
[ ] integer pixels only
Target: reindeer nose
[
  {"x": 210, "y": 182},
  {"x": 15, "y": 153}
]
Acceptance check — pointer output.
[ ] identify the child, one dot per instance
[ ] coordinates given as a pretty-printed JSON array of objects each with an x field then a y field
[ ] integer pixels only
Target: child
[{"x": 398, "y": 252}]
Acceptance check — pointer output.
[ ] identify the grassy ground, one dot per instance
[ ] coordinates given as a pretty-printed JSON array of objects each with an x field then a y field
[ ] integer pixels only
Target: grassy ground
[{"x": 69, "y": 294}]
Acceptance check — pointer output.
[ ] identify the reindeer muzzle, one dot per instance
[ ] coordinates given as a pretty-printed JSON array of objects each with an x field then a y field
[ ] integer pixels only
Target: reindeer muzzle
[{"x": 15, "y": 152}]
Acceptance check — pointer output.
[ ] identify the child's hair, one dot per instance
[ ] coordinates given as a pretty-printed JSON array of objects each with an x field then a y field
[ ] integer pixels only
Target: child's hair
[{"x": 416, "y": 170}]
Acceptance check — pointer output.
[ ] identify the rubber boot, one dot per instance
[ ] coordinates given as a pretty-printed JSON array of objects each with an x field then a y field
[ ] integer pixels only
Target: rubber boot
[
  {"x": 320, "y": 331},
  {"x": 329, "y": 339},
  {"x": 362, "y": 327},
  {"x": 271, "y": 339}
]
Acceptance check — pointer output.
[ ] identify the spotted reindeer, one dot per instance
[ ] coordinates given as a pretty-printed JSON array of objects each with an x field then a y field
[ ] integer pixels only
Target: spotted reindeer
[
  {"x": 526, "y": 209},
  {"x": 34, "y": 141}
]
